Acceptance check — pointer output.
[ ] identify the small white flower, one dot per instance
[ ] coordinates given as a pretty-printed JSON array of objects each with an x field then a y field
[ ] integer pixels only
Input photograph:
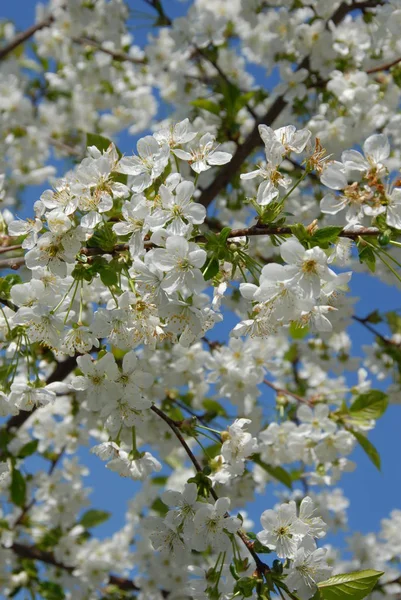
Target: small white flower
[
  {"x": 205, "y": 155},
  {"x": 282, "y": 530},
  {"x": 210, "y": 522},
  {"x": 181, "y": 260}
]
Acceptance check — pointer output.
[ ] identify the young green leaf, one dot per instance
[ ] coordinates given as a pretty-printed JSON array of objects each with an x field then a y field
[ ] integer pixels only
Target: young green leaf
[
  {"x": 93, "y": 517},
  {"x": 351, "y": 586},
  {"x": 370, "y": 405},
  {"x": 369, "y": 448},
  {"x": 18, "y": 488},
  {"x": 277, "y": 472}
]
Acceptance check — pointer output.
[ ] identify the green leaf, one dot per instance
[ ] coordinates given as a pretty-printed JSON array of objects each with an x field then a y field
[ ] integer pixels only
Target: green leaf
[
  {"x": 108, "y": 275},
  {"x": 369, "y": 448},
  {"x": 277, "y": 472},
  {"x": 207, "y": 105},
  {"x": 354, "y": 586},
  {"x": 375, "y": 318},
  {"x": 18, "y": 488},
  {"x": 367, "y": 256},
  {"x": 214, "y": 407},
  {"x": 103, "y": 237},
  {"x": 297, "y": 332},
  {"x": 223, "y": 235},
  {"x": 159, "y": 507},
  {"x": 50, "y": 590},
  {"x": 370, "y": 405},
  {"x": 326, "y": 235},
  {"x": 93, "y": 517},
  {"x": 393, "y": 321},
  {"x": 300, "y": 232},
  {"x": 212, "y": 268},
  {"x": 102, "y": 143},
  {"x": 28, "y": 449}
]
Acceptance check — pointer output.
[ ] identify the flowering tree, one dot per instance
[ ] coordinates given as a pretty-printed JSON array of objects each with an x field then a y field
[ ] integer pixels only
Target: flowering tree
[{"x": 251, "y": 204}]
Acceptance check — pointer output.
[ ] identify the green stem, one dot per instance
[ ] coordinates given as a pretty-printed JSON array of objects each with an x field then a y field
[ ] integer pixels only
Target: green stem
[
  {"x": 296, "y": 184},
  {"x": 209, "y": 429},
  {"x": 5, "y": 318}
]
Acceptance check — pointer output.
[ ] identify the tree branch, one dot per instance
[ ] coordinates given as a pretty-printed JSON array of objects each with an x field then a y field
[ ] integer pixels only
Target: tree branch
[
  {"x": 25, "y": 35},
  {"x": 260, "y": 565},
  {"x": 244, "y": 150},
  {"x": 115, "y": 54},
  {"x": 286, "y": 392},
  {"x": 385, "y": 67},
  {"x": 33, "y": 553}
]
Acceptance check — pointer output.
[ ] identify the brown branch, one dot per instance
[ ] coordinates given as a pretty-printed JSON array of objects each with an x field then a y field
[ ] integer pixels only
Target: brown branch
[
  {"x": 4, "y": 249},
  {"x": 385, "y": 67},
  {"x": 22, "y": 37},
  {"x": 254, "y": 230},
  {"x": 286, "y": 392},
  {"x": 274, "y": 230},
  {"x": 369, "y": 327},
  {"x": 244, "y": 150},
  {"x": 12, "y": 263},
  {"x": 59, "y": 374},
  {"x": 33, "y": 553},
  {"x": 115, "y": 54},
  {"x": 260, "y": 565}
]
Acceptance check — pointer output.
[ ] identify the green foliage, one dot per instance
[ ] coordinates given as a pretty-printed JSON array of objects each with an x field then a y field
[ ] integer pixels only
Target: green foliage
[
  {"x": 49, "y": 590},
  {"x": 28, "y": 449},
  {"x": 102, "y": 143},
  {"x": 207, "y": 105},
  {"x": 17, "y": 488},
  {"x": 369, "y": 405},
  {"x": 368, "y": 447},
  {"x": 325, "y": 236},
  {"x": 211, "y": 268},
  {"x": 103, "y": 238},
  {"x": 214, "y": 407},
  {"x": 276, "y": 472},
  {"x": 366, "y": 255},
  {"x": 93, "y": 517},
  {"x": 352, "y": 586}
]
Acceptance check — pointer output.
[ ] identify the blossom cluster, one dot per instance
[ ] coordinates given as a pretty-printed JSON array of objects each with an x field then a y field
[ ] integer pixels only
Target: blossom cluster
[{"x": 184, "y": 310}]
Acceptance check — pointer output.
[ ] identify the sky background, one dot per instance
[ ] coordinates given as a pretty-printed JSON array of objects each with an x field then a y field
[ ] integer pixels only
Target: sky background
[{"x": 372, "y": 494}]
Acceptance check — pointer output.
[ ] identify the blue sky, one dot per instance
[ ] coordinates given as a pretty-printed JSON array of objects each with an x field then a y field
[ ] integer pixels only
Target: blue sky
[{"x": 373, "y": 495}]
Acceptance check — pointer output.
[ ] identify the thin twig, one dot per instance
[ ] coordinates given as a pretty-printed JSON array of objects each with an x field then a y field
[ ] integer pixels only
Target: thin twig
[
  {"x": 22, "y": 37},
  {"x": 369, "y": 327},
  {"x": 253, "y": 140},
  {"x": 261, "y": 566},
  {"x": 286, "y": 392},
  {"x": 4, "y": 249},
  {"x": 33, "y": 553},
  {"x": 115, "y": 54},
  {"x": 385, "y": 67}
]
